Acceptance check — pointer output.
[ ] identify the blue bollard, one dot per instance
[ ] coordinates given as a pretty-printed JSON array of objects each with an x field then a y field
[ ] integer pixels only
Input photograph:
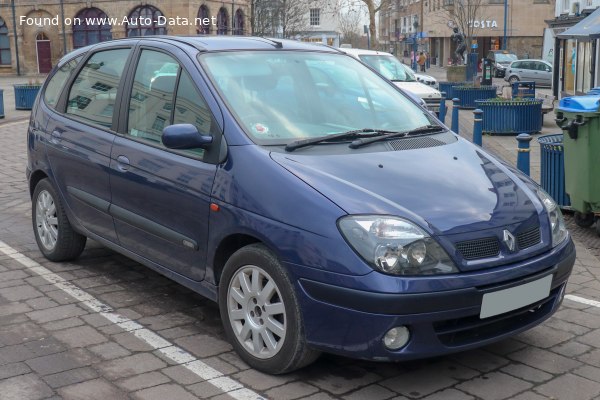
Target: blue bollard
[
  {"x": 454, "y": 126},
  {"x": 477, "y": 127},
  {"x": 523, "y": 155},
  {"x": 442, "y": 112}
]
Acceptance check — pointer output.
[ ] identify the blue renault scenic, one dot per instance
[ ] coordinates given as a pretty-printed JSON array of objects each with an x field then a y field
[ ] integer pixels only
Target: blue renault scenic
[{"x": 322, "y": 208}]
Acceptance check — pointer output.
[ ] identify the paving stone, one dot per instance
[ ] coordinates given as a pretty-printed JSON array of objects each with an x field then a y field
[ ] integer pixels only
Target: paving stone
[
  {"x": 526, "y": 372},
  {"x": 56, "y": 313},
  {"x": 371, "y": 392},
  {"x": 131, "y": 365},
  {"x": 70, "y": 377},
  {"x": 592, "y": 358},
  {"x": 589, "y": 372},
  {"x": 578, "y": 317},
  {"x": 162, "y": 392},
  {"x": 14, "y": 308},
  {"x": 204, "y": 390},
  {"x": 566, "y": 326},
  {"x": 544, "y": 336},
  {"x": 320, "y": 396},
  {"x": 23, "y": 387},
  {"x": 109, "y": 351},
  {"x": 41, "y": 303},
  {"x": 12, "y": 275},
  {"x": 10, "y": 370},
  {"x": 571, "y": 349},
  {"x": 20, "y": 333},
  {"x": 81, "y": 336},
  {"x": 592, "y": 338},
  {"x": 179, "y": 331},
  {"x": 570, "y": 387},
  {"x": 418, "y": 383},
  {"x": 18, "y": 293},
  {"x": 259, "y": 381},
  {"x": 166, "y": 321},
  {"x": 143, "y": 381},
  {"x": 96, "y": 320},
  {"x": 203, "y": 345},
  {"x": 131, "y": 343},
  {"x": 494, "y": 386},
  {"x": 449, "y": 394},
  {"x": 63, "y": 324},
  {"x": 182, "y": 375},
  {"x": 235, "y": 360},
  {"x": 59, "y": 362},
  {"x": 480, "y": 360},
  {"x": 97, "y": 389},
  {"x": 530, "y": 396},
  {"x": 544, "y": 360}
]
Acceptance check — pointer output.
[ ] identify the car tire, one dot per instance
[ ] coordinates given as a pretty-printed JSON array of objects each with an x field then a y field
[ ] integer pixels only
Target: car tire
[
  {"x": 261, "y": 314},
  {"x": 584, "y": 220},
  {"x": 513, "y": 79},
  {"x": 56, "y": 238}
]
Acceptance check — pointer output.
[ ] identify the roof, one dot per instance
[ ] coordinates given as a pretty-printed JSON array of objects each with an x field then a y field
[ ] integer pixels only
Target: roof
[
  {"x": 357, "y": 52},
  {"x": 586, "y": 29},
  {"x": 217, "y": 43}
]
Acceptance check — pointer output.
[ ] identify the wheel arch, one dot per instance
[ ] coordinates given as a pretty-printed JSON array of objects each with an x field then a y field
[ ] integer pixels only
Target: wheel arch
[
  {"x": 35, "y": 178},
  {"x": 229, "y": 245}
]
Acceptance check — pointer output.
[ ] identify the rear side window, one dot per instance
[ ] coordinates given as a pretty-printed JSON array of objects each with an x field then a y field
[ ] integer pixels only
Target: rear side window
[
  {"x": 56, "y": 83},
  {"x": 93, "y": 94}
]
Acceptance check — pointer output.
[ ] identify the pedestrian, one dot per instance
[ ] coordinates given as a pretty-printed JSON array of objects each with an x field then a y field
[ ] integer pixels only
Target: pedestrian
[{"x": 421, "y": 61}]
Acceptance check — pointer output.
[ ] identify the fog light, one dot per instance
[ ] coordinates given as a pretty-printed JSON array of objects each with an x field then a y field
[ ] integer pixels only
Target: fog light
[{"x": 396, "y": 337}]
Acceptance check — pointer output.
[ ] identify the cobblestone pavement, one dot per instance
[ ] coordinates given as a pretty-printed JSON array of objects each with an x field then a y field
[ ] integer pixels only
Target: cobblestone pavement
[{"x": 104, "y": 327}]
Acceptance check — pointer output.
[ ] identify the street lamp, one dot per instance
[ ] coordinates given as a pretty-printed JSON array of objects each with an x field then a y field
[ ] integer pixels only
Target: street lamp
[
  {"x": 415, "y": 45},
  {"x": 505, "y": 13}
]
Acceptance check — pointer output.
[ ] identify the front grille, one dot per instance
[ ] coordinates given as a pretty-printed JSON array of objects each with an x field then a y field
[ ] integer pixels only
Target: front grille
[
  {"x": 479, "y": 248},
  {"x": 433, "y": 104},
  {"x": 529, "y": 238},
  {"x": 467, "y": 330},
  {"x": 422, "y": 142}
]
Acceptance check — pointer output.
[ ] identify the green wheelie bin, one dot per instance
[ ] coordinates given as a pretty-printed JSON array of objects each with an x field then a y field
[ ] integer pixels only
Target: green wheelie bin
[{"x": 579, "y": 118}]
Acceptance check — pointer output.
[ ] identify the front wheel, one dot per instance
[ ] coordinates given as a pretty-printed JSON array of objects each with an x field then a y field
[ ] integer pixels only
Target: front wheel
[
  {"x": 513, "y": 79},
  {"x": 53, "y": 232},
  {"x": 261, "y": 314}
]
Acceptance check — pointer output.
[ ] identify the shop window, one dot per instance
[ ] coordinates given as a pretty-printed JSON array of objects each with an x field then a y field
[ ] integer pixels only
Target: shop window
[
  {"x": 204, "y": 15},
  {"x": 238, "y": 27},
  {"x": 222, "y": 22}
]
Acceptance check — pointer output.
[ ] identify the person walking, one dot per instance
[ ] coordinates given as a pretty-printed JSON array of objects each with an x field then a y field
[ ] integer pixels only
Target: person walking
[{"x": 421, "y": 61}]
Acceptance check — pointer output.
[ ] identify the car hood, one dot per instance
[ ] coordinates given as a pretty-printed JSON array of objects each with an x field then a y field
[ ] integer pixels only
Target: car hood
[
  {"x": 421, "y": 90},
  {"x": 425, "y": 77},
  {"x": 454, "y": 188}
]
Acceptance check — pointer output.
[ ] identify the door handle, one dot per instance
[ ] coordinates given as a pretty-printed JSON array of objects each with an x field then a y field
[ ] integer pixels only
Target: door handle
[
  {"x": 122, "y": 163},
  {"x": 55, "y": 136}
]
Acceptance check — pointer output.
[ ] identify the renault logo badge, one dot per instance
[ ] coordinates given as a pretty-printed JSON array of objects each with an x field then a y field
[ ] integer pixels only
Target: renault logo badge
[{"x": 510, "y": 240}]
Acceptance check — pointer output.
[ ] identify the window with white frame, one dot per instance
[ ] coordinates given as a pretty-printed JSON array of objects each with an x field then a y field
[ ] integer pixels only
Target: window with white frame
[{"x": 315, "y": 16}]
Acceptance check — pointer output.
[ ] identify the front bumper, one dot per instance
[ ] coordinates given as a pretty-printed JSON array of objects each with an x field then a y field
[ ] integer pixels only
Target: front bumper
[{"x": 353, "y": 322}]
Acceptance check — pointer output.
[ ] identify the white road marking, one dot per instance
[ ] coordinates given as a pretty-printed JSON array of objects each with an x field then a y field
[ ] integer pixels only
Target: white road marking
[
  {"x": 582, "y": 300},
  {"x": 227, "y": 385}
]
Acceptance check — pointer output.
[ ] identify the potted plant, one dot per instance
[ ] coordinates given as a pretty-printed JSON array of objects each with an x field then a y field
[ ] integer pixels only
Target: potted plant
[
  {"x": 511, "y": 116},
  {"x": 25, "y": 94}
]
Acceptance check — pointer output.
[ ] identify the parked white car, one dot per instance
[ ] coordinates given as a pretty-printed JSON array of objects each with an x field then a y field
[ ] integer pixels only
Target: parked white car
[
  {"x": 426, "y": 79},
  {"x": 389, "y": 66}
]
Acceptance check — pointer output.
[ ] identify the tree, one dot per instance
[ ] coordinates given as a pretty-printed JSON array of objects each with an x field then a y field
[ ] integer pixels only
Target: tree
[
  {"x": 279, "y": 18},
  {"x": 349, "y": 24},
  {"x": 373, "y": 7}
]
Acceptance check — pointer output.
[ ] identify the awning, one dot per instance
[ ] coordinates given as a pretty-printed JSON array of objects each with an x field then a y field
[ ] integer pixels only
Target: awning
[{"x": 586, "y": 29}]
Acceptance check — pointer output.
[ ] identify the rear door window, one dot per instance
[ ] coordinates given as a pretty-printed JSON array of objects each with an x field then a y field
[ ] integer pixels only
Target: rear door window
[{"x": 93, "y": 94}]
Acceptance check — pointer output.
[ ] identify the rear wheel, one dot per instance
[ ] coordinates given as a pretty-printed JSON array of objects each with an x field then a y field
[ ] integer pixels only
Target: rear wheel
[
  {"x": 53, "y": 232},
  {"x": 261, "y": 314}
]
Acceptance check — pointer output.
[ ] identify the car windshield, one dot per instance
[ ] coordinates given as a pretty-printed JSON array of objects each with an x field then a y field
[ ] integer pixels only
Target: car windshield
[
  {"x": 282, "y": 96},
  {"x": 501, "y": 57},
  {"x": 388, "y": 66}
]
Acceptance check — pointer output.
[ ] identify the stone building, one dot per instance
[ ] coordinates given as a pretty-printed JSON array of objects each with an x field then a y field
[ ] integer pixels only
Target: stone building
[
  {"x": 45, "y": 30},
  {"x": 436, "y": 18}
]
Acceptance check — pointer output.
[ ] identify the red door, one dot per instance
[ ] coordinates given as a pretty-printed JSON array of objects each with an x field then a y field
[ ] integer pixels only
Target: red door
[{"x": 44, "y": 56}]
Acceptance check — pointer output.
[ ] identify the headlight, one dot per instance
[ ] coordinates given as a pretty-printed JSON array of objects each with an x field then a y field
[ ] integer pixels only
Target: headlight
[
  {"x": 557, "y": 223},
  {"x": 500, "y": 66},
  {"x": 395, "y": 246}
]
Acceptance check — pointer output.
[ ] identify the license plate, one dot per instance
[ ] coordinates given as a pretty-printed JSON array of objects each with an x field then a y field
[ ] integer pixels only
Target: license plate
[{"x": 502, "y": 301}]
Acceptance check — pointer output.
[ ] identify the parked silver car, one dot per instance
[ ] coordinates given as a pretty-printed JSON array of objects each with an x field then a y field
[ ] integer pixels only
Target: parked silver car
[{"x": 538, "y": 71}]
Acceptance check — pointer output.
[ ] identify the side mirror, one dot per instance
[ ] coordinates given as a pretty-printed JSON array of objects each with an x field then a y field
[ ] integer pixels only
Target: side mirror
[
  {"x": 184, "y": 136},
  {"x": 548, "y": 69}
]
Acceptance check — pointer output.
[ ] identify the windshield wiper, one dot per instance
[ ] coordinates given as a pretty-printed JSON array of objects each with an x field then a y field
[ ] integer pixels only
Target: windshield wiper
[
  {"x": 422, "y": 130},
  {"x": 337, "y": 136}
]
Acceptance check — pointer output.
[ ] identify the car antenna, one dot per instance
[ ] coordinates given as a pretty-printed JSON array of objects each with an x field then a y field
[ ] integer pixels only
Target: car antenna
[{"x": 278, "y": 45}]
